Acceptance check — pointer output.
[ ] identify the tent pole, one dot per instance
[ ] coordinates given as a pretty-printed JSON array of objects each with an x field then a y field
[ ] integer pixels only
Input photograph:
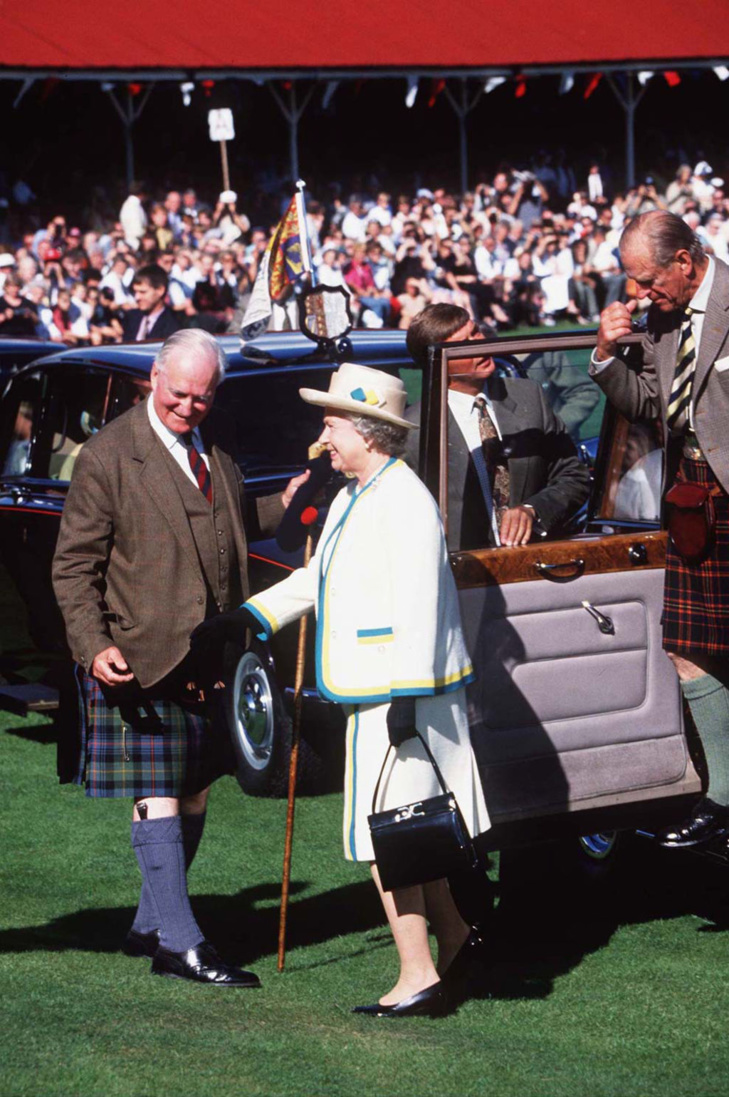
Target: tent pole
[
  {"x": 129, "y": 140},
  {"x": 292, "y": 112},
  {"x": 630, "y": 131},
  {"x": 294, "y": 116},
  {"x": 462, "y": 115},
  {"x": 461, "y": 109},
  {"x": 629, "y": 100}
]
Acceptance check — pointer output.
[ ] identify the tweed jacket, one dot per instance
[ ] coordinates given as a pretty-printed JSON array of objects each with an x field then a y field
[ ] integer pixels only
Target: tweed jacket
[
  {"x": 126, "y": 570},
  {"x": 544, "y": 468},
  {"x": 645, "y": 395},
  {"x": 388, "y": 620}
]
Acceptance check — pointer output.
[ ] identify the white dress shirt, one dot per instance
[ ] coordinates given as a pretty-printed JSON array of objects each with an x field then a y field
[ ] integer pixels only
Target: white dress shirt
[
  {"x": 465, "y": 411},
  {"x": 174, "y": 442}
]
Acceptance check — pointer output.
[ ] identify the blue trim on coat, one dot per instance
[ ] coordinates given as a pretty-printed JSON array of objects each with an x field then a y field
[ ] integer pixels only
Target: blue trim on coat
[
  {"x": 353, "y": 806},
  {"x": 324, "y": 572},
  {"x": 380, "y": 698},
  {"x": 267, "y": 632}
]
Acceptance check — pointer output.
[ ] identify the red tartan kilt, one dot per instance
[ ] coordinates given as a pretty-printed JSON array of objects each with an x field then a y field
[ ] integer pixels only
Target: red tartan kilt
[{"x": 696, "y": 596}]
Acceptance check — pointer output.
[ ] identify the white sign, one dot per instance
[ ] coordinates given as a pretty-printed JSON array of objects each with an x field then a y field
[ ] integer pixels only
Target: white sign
[{"x": 220, "y": 123}]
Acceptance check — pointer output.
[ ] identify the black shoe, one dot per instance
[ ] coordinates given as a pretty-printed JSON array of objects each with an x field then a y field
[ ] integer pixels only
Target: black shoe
[
  {"x": 203, "y": 965},
  {"x": 708, "y": 820},
  {"x": 141, "y": 944},
  {"x": 468, "y": 961},
  {"x": 431, "y": 1002}
]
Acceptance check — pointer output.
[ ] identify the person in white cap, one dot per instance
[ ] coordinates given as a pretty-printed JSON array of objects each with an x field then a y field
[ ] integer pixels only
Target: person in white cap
[{"x": 390, "y": 649}]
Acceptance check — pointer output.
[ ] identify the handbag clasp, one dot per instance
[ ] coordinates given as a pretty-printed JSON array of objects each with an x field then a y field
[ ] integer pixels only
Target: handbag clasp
[{"x": 409, "y": 811}]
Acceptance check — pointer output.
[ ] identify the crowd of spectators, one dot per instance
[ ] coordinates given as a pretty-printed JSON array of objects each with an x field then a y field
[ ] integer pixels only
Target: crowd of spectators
[{"x": 525, "y": 247}]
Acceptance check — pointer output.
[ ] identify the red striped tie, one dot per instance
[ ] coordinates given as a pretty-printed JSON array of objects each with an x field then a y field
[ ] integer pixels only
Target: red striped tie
[{"x": 199, "y": 468}]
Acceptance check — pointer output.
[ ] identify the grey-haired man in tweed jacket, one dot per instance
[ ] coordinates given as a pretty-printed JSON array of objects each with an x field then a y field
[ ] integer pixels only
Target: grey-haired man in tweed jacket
[{"x": 152, "y": 543}]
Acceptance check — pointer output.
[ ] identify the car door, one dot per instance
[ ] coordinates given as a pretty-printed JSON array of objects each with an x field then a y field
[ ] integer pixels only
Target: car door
[{"x": 575, "y": 714}]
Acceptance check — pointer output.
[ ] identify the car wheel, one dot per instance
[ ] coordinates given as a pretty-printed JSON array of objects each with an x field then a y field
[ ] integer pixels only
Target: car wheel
[
  {"x": 596, "y": 854},
  {"x": 579, "y": 864},
  {"x": 261, "y": 729}
]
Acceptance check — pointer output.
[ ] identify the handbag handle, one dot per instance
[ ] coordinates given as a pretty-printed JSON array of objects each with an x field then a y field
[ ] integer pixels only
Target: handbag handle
[{"x": 433, "y": 762}]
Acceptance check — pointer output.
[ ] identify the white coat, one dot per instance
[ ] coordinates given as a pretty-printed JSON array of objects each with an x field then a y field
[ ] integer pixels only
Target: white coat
[
  {"x": 388, "y": 625},
  {"x": 388, "y": 620}
]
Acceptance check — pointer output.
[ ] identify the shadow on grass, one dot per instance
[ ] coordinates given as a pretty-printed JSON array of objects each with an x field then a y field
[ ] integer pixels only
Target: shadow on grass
[
  {"x": 242, "y": 929},
  {"x": 35, "y": 733},
  {"x": 534, "y": 936},
  {"x": 544, "y": 929}
]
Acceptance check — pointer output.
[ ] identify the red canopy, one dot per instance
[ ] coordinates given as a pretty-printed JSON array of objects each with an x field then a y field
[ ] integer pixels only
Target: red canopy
[{"x": 334, "y": 34}]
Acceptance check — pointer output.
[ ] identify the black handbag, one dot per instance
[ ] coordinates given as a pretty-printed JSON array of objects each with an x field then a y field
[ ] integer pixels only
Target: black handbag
[{"x": 420, "y": 842}]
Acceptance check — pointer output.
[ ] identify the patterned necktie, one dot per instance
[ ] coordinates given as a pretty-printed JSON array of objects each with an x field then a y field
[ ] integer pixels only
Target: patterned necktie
[
  {"x": 680, "y": 399},
  {"x": 497, "y": 468},
  {"x": 199, "y": 468}
]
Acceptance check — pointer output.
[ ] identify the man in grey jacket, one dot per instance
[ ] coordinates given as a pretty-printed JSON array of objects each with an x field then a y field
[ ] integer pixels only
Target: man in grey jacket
[{"x": 684, "y": 380}]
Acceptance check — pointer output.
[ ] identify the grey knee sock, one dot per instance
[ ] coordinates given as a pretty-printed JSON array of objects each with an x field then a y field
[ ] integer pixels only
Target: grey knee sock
[
  {"x": 147, "y": 920},
  {"x": 192, "y": 831},
  {"x": 708, "y": 700},
  {"x": 159, "y": 850}
]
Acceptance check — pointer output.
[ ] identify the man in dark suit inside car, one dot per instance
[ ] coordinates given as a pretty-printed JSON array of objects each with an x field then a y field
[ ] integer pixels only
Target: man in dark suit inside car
[
  {"x": 151, "y": 319},
  {"x": 513, "y": 470}
]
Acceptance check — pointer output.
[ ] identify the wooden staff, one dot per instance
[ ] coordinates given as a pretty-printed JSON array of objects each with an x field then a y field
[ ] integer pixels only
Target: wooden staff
[{"x": 308, "y": 517}]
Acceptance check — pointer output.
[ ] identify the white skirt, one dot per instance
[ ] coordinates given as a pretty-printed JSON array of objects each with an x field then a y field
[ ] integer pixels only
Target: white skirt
[{"x": 408, "y": 775}]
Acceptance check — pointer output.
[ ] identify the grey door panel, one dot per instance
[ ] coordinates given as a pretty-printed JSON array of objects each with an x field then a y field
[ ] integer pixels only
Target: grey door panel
[{"x": 563, "y": 716}]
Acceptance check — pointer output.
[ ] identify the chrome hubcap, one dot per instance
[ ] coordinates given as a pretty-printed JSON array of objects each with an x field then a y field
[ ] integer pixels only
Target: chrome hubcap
[
  {"x": 253, "y": 707},
  {"x": 598, "y": 846}
]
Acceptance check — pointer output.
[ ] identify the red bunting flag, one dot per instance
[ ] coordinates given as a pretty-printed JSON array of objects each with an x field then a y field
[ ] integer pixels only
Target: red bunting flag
[
  {"x": 436, "y": 88},
  {"x": 134, "y": 89},
  {"x": 208, "y": 86},
  {"x": 672, "y": 79},
  {"x": 520, "y": 90},
  {"x": 592, "y": 84}
]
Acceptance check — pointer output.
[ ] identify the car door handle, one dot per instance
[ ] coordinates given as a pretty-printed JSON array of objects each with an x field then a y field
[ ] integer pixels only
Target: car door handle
[
  {"x": 605, "y": 624},
  {"x": 554, "y": 571}
]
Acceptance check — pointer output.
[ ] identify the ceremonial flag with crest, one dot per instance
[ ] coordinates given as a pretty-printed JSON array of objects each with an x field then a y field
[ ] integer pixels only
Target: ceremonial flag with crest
[{"x": 285, "y": 260}]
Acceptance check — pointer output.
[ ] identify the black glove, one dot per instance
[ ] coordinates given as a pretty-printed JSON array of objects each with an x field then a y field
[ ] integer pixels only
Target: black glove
[
  {"x": 291, "y": 532},
  {"x": 210, "y": 637},
  {"x": 401, "y": 720}
]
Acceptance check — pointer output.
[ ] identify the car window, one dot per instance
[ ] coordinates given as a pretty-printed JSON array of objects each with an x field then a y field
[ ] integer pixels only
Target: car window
[
  {"x": 274, "y": 426},
  {"x": 633, "y": 473},
  {"x": 570, "y": 391},
  {"x": 18, "y": 427},
  {"x": 76, "y": 410}
]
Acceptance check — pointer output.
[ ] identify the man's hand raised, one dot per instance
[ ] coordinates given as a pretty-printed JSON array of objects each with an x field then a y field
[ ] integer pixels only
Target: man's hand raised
[{"x": 615, "y": 321}]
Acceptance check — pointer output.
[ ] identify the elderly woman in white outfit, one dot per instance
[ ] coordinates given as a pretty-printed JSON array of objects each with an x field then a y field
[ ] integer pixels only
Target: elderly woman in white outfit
[{"x": 390, "y": 649}]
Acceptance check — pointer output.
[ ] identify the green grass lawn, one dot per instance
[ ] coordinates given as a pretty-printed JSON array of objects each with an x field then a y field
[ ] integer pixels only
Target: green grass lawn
[{"x": 629, "y": 996}]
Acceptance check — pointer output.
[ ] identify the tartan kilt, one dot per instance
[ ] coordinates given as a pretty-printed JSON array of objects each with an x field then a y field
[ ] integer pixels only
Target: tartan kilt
[
  {"x": 696, "y": 596},
  {"x": 171, "y": 749}
]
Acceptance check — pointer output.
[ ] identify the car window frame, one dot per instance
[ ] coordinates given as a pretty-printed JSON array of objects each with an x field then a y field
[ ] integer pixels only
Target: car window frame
[{"x": 434, "y": 425}]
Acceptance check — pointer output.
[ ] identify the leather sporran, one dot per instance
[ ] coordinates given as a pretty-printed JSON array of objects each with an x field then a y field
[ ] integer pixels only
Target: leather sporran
[
  {"x": 691, "y": 520},
  {"x": 420, "y": 842}
]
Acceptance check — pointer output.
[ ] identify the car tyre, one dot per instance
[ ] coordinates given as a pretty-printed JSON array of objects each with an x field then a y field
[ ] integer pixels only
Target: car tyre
[{"x": 261, "y": 730}]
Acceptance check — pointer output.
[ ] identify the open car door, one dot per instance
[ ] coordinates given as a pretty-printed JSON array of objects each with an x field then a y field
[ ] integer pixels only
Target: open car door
[{"x": 576, "y": 715}]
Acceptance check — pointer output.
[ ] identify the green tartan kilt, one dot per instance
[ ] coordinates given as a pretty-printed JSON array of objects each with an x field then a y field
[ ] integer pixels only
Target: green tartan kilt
[{"x": 163, "y": 748}]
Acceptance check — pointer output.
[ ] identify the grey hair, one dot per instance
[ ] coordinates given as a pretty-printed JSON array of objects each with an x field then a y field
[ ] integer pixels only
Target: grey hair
[
  {"x": 193, "y": 340},
  {"x": 664, "y": 234},
  {"x": 387, "y": 437}
]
